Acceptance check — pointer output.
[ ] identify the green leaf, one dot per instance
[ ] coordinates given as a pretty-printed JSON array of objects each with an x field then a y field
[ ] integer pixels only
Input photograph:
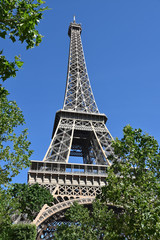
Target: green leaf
[
  {"x": 40, "y": 1},
  {"x": 3, "y": 34},
  {"x": 12, "y": 38},
  {"x": 19, "y": 64}
]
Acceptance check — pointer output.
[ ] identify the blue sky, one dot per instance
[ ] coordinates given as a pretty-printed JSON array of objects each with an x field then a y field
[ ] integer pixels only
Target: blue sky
[{"x": 121, "y": 41}]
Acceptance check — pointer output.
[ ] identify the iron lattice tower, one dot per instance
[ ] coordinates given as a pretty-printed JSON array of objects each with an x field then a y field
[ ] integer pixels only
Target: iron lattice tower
[{"x": 79, "y": 130}]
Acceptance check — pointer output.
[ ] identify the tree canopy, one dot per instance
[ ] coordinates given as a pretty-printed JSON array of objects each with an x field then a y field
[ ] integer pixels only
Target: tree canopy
[
  {"x": 14, "y": 147},
  {"x": 21, "y": 203},
  {"x": 18, "y": 22},
  {"x": 129, "y": 205},
  {"x": 30, "y": 199}
]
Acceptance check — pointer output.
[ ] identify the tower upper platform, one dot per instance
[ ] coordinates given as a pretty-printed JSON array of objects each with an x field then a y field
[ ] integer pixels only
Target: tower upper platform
[{"x": 75, "y": 26}]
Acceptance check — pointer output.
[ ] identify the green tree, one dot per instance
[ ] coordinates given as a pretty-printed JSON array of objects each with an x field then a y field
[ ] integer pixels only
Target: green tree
[
  {"x": 129, "y": 206},
  {"x": 14, "y": 155},
  {"x": 14, "y": 147},
  {"x": 18, "y": 21},
  {"x": 23, "y": 232},
  {"x": 21, "y": 202},
  {"x": 30, "y": 199},
  {"x": 8, "y": 206},
  {"x": 88, "y": 225}
]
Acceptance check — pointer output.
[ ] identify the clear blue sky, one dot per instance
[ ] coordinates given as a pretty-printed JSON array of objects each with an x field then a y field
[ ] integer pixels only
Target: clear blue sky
[{"x": 121, "y": 40}]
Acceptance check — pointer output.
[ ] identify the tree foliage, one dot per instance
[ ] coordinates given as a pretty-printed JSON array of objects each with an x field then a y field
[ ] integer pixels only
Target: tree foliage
[
  {"x": 23, "y": 232},
  {"x": 18, "y": 21},
  {"x": 21, "y": 203},
  {"x": 129, "y": 206},
  {"x": 30, "y": 199},
  {"x": 14, "y": 146},
  {"x": 88, "y": 225},
  {"x": 8, "y": 206}
]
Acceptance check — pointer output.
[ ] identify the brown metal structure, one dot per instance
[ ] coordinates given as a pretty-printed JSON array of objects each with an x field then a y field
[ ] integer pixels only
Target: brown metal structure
[{"x": 80, "y": 131}]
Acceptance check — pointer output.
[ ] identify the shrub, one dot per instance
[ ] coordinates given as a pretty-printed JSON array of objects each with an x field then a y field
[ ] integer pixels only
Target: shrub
[{"x": 23, "y": 232}]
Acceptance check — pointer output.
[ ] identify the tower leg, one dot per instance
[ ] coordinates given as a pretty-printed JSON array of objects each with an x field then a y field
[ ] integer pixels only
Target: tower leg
[
  {"x": 60, "y": 146},
  {"x": 104, "y": 140}
]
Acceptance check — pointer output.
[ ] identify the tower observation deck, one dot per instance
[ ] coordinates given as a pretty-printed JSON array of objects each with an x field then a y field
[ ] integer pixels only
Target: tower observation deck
[{"x": 79, "y": 130}]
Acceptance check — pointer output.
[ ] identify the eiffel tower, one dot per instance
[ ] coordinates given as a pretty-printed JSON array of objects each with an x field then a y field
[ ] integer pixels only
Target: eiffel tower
[{"x": 79, "y": 131}]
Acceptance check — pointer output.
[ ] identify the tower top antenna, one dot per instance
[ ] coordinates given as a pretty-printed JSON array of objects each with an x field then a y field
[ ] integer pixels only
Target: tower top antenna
[{"x": 74, "y": 19}]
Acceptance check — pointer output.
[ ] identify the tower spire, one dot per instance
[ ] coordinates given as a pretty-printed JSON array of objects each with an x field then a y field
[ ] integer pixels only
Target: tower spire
[
  {"x": 74, "y": 19},
  {"x": 78, "y": 95}
]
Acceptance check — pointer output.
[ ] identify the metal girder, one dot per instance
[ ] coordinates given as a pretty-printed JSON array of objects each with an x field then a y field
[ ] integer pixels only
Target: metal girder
[
  {"x": 59, "y": 148},
  {"x": 54, "y": 216},
  {"x": 59, "y": 207},
  {"x": 77, "y": 137}
]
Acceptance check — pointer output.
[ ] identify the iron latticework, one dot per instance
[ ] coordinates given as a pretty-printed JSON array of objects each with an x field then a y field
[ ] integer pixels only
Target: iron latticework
[
  {"x": 80, "y": 131},
  {"x": 78, "y": 95}
]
